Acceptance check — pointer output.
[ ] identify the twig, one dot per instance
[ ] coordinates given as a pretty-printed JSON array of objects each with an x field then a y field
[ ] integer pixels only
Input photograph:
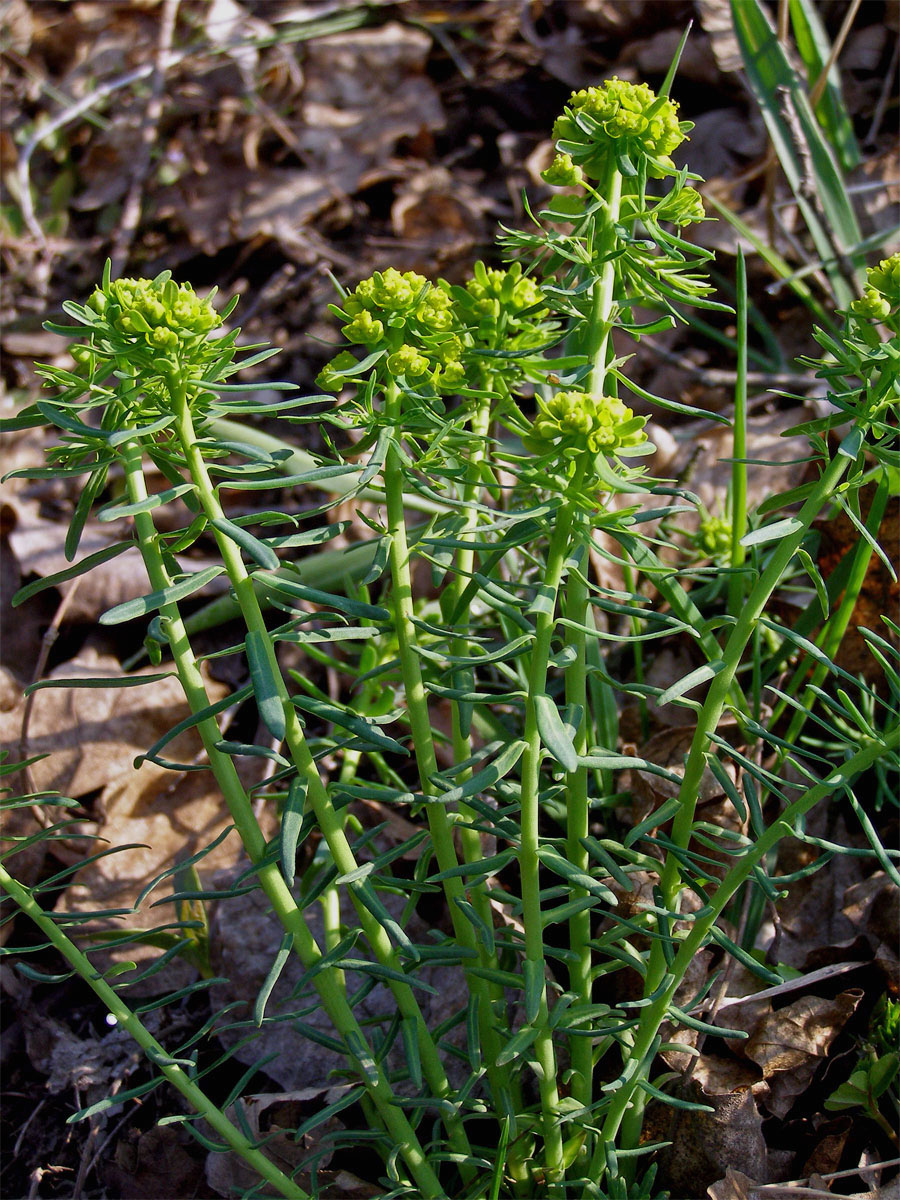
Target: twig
[
  {"x": 47, "y": 643},
  {"x": 72, "y": 113},
  {"x": 819, "y": 86},
  {"x": 131, "y": 211},
  {"x": 886, "y": 94}
]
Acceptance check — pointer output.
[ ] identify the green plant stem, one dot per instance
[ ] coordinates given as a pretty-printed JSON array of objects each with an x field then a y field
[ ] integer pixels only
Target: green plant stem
[
  {"x": 270, "y": 878},
  {"x": 439, "y": 824},
  {"x": 537, "y": 1011},
  {"x": 603, "y": 294},
  {"x": 470, "y": 838},
  {"x": 832, "y": 635},
  {"x": 707, "y": 722},
  {"x": 577, "y": 817},
  {"x": 157, "y": 1055},
  {"x": 736, "y": 580},
  {"x": 330, "y": 821},
  {"x": 841, "y": 777}
]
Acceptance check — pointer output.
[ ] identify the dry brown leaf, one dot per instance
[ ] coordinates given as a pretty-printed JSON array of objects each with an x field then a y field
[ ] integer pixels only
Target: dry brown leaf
[
  {"x": 706, "y": 1144},
  {"x": 270, "y": 1112},
  {"x": 152, "y": 1163},
  {"x": 93, "y": 735},
  {"x": 873, "y": 909},
  {"x": 39, "y": 547},
  {"x": 789, "y": 1044},
  {"x": 735, "y": 1186},
  {"x": 364, "y": 91}
]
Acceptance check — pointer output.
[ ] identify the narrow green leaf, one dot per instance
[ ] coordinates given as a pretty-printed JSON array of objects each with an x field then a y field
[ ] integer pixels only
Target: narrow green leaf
[
  {"x": 771, "y": 533},
  {"x": 312, "y": 478},
  {"x": 156, "y": 600},
  {"x": 113, "y": 512},
  {"x": 816, "y": 579},
  {"x": 245, "y": 750},
  {"x": 347, "y": 719},
  {"x": 92, "y": 489},
  {"x": 194, "y": 719},
  {"x": 387, "y": 973},
  {"x": 533, "y": 978},
  {"x": 561, "y": 866},
  {"x": 746, "y": 958},
  {"x": 301, "y": 591},
  {"x": 409, "y": 1032},
  {"x": 517, "y": 1045},
  {"x": 80, "y": 568},
  {"x": 291, "y": 826},
  {"x": 262, "y": 554},
  {"x": 284, "y": 953},
  {"x": 100, "y": 681},
  {"x": 691, "y": 680},
  {"x": 809, "y": 166},
  {"x": 554, "y": 734},
  {"x": 815, "y": 50},
  {"x": 267, "y": 689},
  {"x": 488, "y": 776}
]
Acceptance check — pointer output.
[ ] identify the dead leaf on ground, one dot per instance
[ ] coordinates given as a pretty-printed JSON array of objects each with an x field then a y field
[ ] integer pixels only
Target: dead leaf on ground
[
  {"x": 265, "y": 1116},
  {"x": 872, "y": 906},
  {"x": 705, "y": 1144},
  {"x": 151, "y": 1163},
  {"x": 93, "y": 735},
  {"x": 39, "y": 548},
  {"x": 789, "y": 1044},
  {"x": 879, "y": 594}
]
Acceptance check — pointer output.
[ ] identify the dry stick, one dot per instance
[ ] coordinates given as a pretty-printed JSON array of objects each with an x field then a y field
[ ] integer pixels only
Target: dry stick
[
  {"x": 886, "y": 94},
  {"x": 131, "y": 211},
  {"x": 771, "y": 165},
  {"x": 47, "y": 643},
  {"x": 819, "y": 86}
]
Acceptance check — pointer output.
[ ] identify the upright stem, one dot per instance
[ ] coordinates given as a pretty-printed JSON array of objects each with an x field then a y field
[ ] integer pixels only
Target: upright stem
[
  {"x": 439, "y": 824},
  {"x": 577, "y": 817},
  {"x": 628, "y": 1102},
  {"x": 124, "y": 1016},
  {"x": 622, "y": 1106},
  {"x": 603, "y": 294},
  {"x": 330, "y": 822},
  {"x": 270, "y": 877},
  {"x": 537, "y": 1011},
  {"x": 739, "y": 449}
]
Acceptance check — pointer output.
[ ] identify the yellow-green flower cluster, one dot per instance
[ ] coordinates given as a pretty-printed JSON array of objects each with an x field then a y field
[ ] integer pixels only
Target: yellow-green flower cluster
[
  {"x": 681, "y": 206},
  {"x": 563, "y": 172},
  {"x": 619, "y": 117},
  {"x": 394, "y": 299},
  {"x": 507, "y": 297},
  {"x": 162, "y": 313},
  {"x": 602, "y": 424},
  {"x": 417, "y": 324},
  {"x": 714, "y": 536},
  {"x": 882, "y": 292}
]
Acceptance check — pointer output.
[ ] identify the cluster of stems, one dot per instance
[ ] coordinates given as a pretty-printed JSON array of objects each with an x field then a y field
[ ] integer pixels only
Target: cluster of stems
[{"x": 493, "y": 408}]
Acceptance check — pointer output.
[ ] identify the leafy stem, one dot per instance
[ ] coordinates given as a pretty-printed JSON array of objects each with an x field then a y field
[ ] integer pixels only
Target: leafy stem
[
  {"x": 164, "y": 1063},
  {"x": 241, "y": 809},
  {"x": 290, "y": 729}
]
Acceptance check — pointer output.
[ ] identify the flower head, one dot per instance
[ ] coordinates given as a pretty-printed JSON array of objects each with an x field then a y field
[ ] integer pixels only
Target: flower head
[
  {"x": 160, "y": 313},
  {"x": 578, "y": 420},
  {"x": 619, "y": 118},
  {"x": 563, "y": 172},
  {"x": 885, "y": 279}
]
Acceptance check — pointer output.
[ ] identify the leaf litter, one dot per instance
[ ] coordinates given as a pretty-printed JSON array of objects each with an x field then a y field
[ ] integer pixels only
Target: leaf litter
[{"x": 401, "y": 140}]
